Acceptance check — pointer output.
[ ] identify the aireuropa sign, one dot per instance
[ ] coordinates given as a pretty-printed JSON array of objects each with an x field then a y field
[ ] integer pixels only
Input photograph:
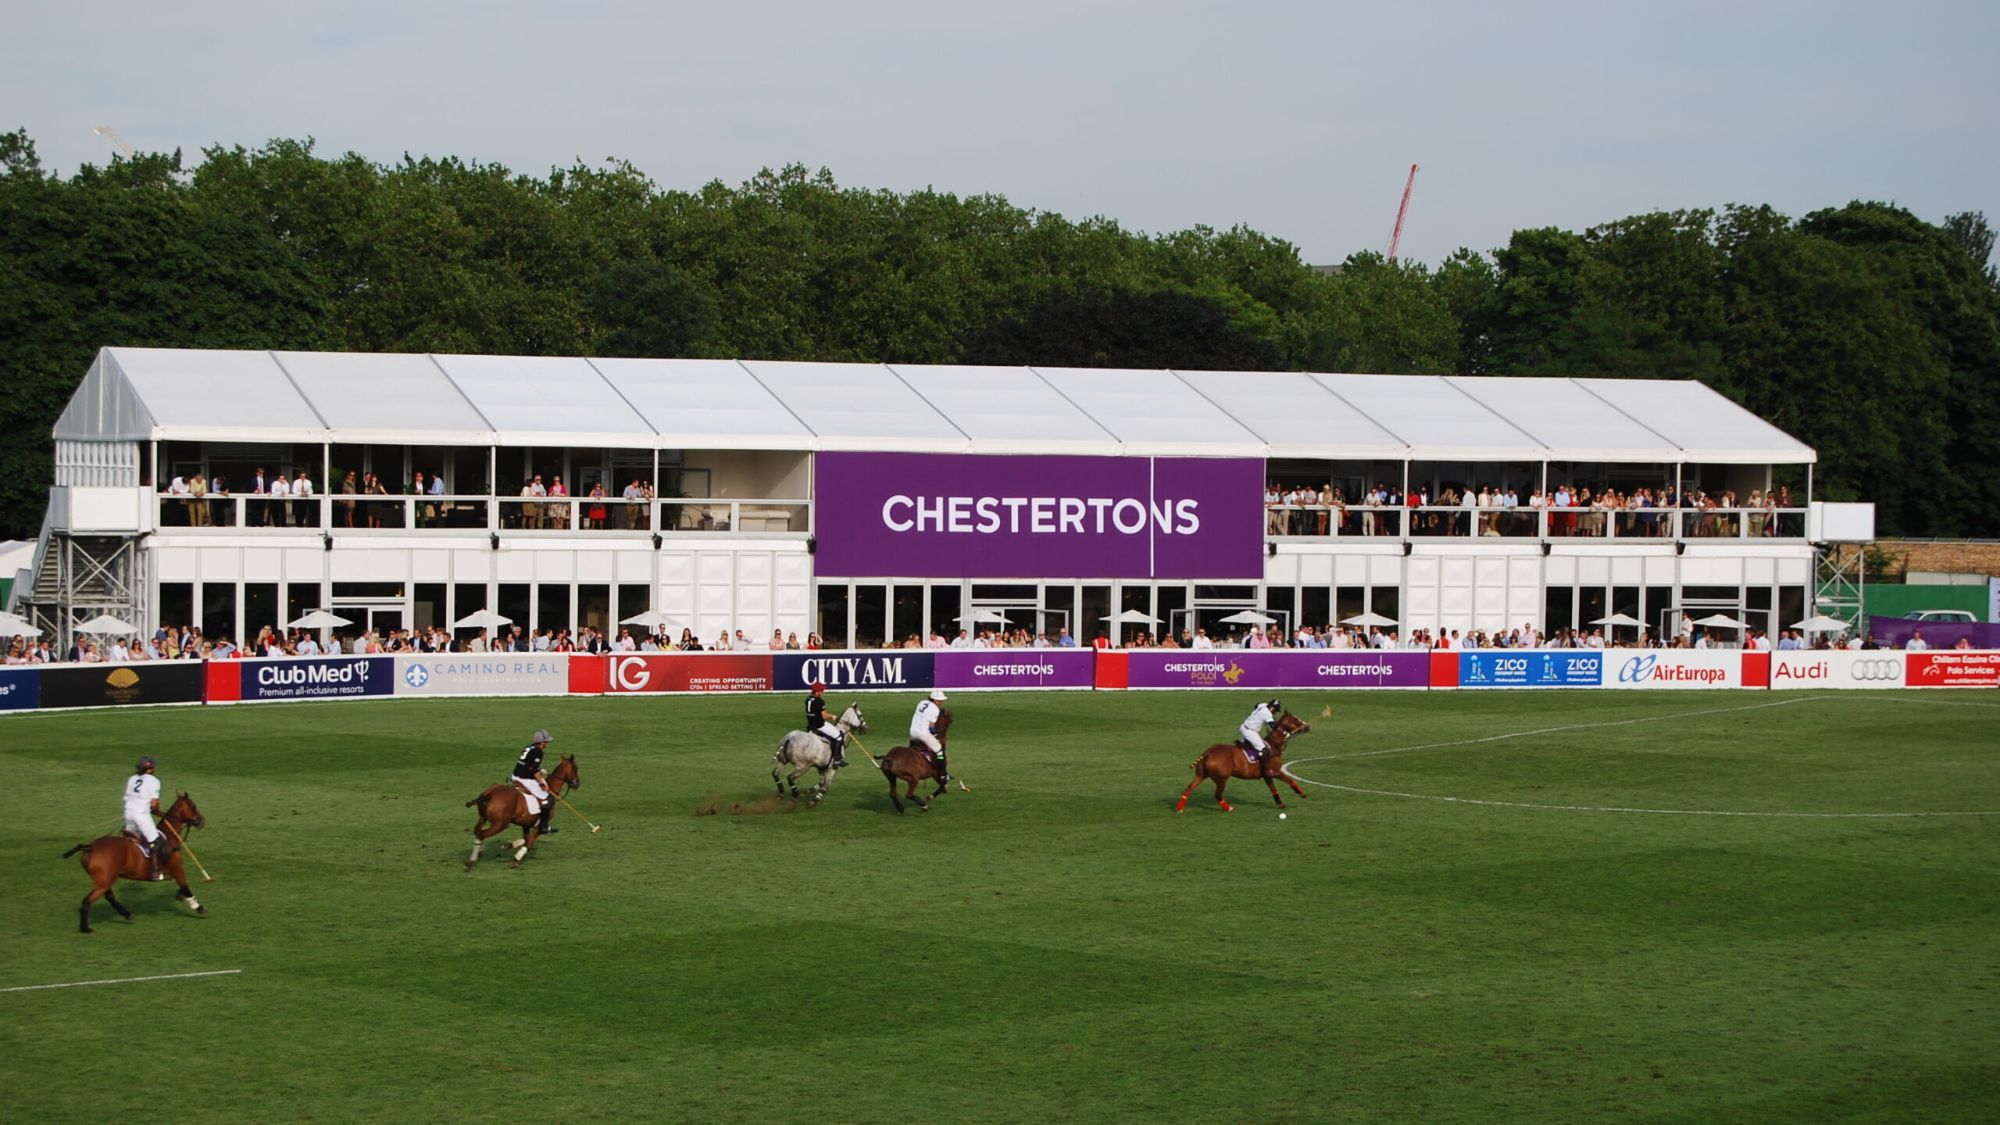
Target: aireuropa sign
[
  {"x": 489, "y": 674},
  {"x": 1673, "y": 668},
  {"x": 1838, "y": 668},
  {"x": 926, "y": 515}
]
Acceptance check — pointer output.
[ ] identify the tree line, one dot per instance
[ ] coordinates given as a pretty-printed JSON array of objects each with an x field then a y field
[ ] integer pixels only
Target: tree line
[{"x": 1867, "y": 332}]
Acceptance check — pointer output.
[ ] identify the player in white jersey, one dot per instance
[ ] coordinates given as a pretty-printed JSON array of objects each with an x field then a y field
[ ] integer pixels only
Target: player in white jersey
[
  {"x": 142, "y": 804},
  {"x": 1252, "y": 733},
  {"x": 923, "y": 730}
]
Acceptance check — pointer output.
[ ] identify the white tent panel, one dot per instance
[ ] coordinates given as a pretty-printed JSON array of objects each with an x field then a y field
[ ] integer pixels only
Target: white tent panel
[
  {"x": 705, "y": 404},
  {"x": 1575, "y": 424},
  {"x": 1153, "y": 411},
  {"x": 387, "y": 399},
  {"x": 1438, "y": 421},
  {"x": 1707, "y": 427},
  {"x": 105, "y": 407},
  {"x": 547, "y": 401},
  {"x": 1005, "y": 409},
  {"x": 1295, "y": 415},
  {"x": 858, "y": 406},
  {"x": 214, "y": 395}
]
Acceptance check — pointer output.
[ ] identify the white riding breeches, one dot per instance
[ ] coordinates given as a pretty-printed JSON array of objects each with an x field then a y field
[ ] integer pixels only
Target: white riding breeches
[
  {"x": 141, "y": 822},
  {"x": 926, "y": 738},
  {"x": 1256, "y": 740},
  {"x": 829, "y": 731},
  {"x": 538, "y": 793}
]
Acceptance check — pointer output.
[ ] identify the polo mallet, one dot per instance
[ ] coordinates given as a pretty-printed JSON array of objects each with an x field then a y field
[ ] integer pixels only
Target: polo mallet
[
  {"x": 864, "y": 750},
  {"x": 572, "y": 808},
  {"x": 182, "y": 841}
]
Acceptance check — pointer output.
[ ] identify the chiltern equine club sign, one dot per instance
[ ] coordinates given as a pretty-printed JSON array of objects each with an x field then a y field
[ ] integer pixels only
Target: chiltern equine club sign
[{"x": 924, "y": 515}]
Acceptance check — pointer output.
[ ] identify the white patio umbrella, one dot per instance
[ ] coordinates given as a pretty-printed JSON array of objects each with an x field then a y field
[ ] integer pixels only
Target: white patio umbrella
[
  {"x": 484, "y": 619},
  {"x": 105, "y": 624},
  {"x": 318, "y": 619},
  {"x": 1132, "y": 617},
  {"x": 651, "y": 619},
  {"x": 1371, "y": 619},
  {"x": 1821, "y": 623},
  {"x": 1618, "y": 619},
  {"x": 985, "y": 617},
  {"x": 1720, "y": 621},
  {"x": 15, "y": 627},
  {"x": 1249, "y": 617}
]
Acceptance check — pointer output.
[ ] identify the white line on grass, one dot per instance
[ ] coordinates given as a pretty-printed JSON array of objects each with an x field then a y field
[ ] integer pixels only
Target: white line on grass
[
  {"x": 1597, "y": 808},
  {"x": 121, "y": 980}
]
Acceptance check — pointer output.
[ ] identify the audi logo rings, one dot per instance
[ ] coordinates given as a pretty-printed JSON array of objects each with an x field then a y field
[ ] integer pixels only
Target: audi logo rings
[{"x": 1876, "y": 671}]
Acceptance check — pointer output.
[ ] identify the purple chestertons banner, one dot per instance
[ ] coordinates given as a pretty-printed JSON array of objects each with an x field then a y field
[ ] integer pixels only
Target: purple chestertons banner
[
  {"x": 936, "y": 515},
  {"x": 1017, "y": 668},
  {"x": 1241, "y": 668}
]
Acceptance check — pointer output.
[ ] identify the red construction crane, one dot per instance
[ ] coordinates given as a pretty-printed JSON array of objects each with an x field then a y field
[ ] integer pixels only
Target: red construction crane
[{"x": 1396, "y": 236}]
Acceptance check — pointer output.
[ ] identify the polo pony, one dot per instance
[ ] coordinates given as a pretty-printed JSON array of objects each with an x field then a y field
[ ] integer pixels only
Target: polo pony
[
  {"x": 505, "y": 806},
  {"x": 1225, "y": 760},
  {"x": 111, "y": 858},
  {"x": 804, "y": 750}
]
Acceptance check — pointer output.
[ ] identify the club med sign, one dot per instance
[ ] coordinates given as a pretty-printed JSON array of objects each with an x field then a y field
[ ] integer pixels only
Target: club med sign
[{"x": 924, "y": 515}]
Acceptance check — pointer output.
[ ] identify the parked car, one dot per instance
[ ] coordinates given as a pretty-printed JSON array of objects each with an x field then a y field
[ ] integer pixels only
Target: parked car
[{"x": 1953, "y": 616}]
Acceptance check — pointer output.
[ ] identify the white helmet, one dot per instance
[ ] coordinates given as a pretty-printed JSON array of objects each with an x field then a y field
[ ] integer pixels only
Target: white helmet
[{"x": 937, "y": 695}]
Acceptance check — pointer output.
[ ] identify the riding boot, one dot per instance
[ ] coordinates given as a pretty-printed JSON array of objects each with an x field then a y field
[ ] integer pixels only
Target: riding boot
[
  {"x": 160, "y": 860},
  {"x": 839, "y": 753},
  {"x": 944, "y": 768},
  {"x": 544, "y": 828}
]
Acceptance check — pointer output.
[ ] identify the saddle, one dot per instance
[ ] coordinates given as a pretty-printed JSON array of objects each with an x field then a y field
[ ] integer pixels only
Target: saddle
[
  {"x": 1249, "y": 751},
  {"x": 534, "y": 806}
]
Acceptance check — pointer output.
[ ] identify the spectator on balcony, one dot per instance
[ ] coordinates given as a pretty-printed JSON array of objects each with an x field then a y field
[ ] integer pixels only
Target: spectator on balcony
[
  {"x": 302, "y": 490},
  {"x": 1916, "y": 643},
  {"x": 528, "y": 511},
  {"x": 374, "y": 487},
  {"x": 813, "y": 642},
  {"x": 348, "y": 487},
  {"x": 1274, "y": 520},
  {"x": 278, "y": 509},
  {"x": 595, "y": 515},
  {"x": 722, "y": 643},
  {"x": 791, "y": 642},
  {"x": 558, "y": 508},
  {"x": 634, "y": 497}
]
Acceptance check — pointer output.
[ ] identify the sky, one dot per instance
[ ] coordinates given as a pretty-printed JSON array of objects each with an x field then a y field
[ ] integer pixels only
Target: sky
[{"x": 1300, "y": 120}]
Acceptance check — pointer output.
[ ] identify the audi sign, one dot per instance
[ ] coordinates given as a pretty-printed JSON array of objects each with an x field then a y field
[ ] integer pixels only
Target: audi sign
[{"x": 1837, "y": 668}]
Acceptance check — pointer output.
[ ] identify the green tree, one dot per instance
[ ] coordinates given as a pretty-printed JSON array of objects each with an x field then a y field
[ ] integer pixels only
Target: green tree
[{"x": 1131, "y": 330}]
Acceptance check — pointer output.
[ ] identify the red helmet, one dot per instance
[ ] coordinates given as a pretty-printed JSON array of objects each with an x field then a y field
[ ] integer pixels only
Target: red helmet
[{"x": 818, "y": 687}]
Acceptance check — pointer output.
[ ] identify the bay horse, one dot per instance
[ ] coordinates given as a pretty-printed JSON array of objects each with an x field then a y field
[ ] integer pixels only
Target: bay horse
[
  {"x": 111, "y": 858},
  {"x": 804, "y": 750},
  {"x": 1225, "y": 760},
  {"x": 911, "y": 763},
  {"x": 504, "y": 806}
]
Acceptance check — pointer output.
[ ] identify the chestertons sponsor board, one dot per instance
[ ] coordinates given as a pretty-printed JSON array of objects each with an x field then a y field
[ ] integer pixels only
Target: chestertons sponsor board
[
  {"x": 1672, "y": 668},
  {"x": 925, "y": 515},
  {"x": 1837, "y": 668}
]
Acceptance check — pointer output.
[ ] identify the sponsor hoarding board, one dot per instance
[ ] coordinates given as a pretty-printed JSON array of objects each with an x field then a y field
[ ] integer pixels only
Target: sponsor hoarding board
[
  {"x": 651, "y": 673},
  {"x": 1836, "y": 668},
  {"x": 925, "y": 515},
  {"x": 1531, "y": 668},
  {"x": 317, "y": 677},
  {"x": 1015, "y": 668},
  {"x": 499, "y": 673},
  {"x": 20, "y": 689},
  {"x": 1956, "y": 668},
  {"x": 1313, "y": 668},
  {"x": 1673, "y": 668},
  {"x": 889, "y": 670},
  {"x": 122, "y": 685}
]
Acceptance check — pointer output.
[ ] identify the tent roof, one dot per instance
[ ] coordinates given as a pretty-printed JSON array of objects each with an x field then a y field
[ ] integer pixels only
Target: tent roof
[{"x": 136, "y": 394}]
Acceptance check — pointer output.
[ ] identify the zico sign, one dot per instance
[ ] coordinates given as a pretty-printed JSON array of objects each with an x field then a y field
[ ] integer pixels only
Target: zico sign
[
  {"x": 923, "y": 515},
  {"x": 1530, "y": 668}
]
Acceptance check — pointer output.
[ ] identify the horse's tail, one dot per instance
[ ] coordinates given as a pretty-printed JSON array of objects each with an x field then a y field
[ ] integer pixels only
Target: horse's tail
[
  {"x": 85, "y": 848},
  {"x": 480, "y": 801}
]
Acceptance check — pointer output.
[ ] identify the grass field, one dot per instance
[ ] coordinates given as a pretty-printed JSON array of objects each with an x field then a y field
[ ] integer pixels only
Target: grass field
[{"x": 1056, "y": 944}]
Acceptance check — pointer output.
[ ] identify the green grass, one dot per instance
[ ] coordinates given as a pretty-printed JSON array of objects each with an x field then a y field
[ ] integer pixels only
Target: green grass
[{"x": 1056, "y": 944}]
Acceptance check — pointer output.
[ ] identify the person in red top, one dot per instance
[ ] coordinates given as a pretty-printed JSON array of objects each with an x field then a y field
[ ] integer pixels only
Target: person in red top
[{"x": 1102, "y": 641}]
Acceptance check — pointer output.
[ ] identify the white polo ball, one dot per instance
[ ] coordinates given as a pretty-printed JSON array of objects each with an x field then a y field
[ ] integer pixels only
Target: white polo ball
[{"x": 1281, "y": 816}]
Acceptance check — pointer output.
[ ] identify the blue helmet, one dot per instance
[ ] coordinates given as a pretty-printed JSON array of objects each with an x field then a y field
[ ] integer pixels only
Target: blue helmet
[{"x": 145, "y": 763}]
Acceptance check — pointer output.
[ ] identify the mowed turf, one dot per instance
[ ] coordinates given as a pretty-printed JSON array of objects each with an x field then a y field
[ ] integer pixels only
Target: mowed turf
[{"x": 1054, "y": 945}]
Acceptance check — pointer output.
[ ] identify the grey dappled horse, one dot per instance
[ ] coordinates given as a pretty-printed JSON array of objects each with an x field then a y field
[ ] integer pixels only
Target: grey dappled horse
[{"x": 803, "y": 750}]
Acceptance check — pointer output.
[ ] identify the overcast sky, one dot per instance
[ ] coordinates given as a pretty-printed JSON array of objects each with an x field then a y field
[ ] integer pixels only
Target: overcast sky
[{"x": 1298, "y": 119}]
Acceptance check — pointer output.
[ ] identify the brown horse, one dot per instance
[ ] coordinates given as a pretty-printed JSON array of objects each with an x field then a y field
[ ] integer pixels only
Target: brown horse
[
  {"x": 1225, "y": 760},
  {"x": 910, "y": 764},
  {"x": 111, "y": 858},
  {"x": 503, "y": 806}
]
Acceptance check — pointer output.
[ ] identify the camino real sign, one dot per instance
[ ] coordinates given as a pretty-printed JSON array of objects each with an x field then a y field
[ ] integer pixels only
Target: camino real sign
[
  {"x": 495, "y": 673},
  {"x": 925, "y": 515},
  {"x": 1531, "y": 667},
  {"x": 318, "y": 677}
]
